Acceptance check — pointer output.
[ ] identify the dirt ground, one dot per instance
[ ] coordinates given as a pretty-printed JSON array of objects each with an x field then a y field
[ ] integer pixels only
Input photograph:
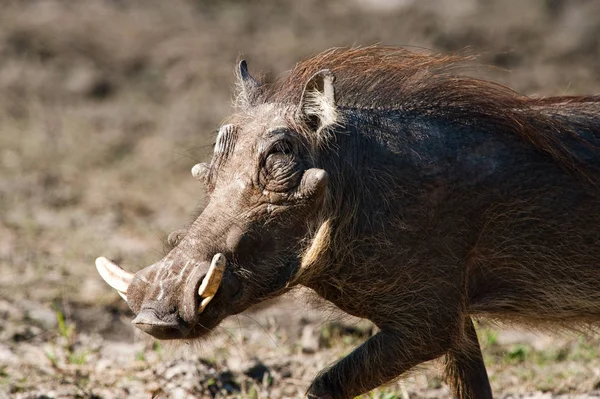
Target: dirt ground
[{"x": 104, "y": 107}]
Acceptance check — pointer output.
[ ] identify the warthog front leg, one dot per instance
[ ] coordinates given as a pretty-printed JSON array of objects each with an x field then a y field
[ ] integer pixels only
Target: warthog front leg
[
  {"x": 382, "y": 358},
  {"x": 390, "y": 353}
]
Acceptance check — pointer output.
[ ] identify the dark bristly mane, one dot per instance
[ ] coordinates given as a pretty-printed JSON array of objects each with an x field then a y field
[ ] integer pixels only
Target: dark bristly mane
[
  {"x": 372, "y": 77},
  {"x": 407, "y": 82}
]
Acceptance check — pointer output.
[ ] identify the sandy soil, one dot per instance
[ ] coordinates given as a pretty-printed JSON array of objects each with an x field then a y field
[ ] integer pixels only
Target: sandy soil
[{"x": 105, "y": 106}]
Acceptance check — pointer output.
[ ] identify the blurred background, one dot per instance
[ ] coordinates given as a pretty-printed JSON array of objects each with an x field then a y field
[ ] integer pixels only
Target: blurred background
[{"x": 104, "y": 107}]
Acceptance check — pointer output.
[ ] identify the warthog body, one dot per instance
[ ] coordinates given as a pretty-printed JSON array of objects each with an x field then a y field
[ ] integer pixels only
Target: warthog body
[{"x": 401, "y": 192}]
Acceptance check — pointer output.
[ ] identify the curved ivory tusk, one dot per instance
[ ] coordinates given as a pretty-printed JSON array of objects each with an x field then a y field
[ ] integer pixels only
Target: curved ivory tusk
[
  {"x": 212, "y": 281},
  {"x": 114, "y": 275}
]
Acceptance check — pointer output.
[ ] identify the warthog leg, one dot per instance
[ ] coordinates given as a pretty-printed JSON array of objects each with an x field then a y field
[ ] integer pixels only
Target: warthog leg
[
  {"x": 379, "y": 360},
  {"x": 464, "y": 369},
  {"x": 390, "y": 353}
]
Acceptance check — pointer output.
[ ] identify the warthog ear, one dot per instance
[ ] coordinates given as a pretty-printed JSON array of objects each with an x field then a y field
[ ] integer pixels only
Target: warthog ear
[
  {"x": 249, "y": 88},
  {"x": 175, "y": 237},
  {"x": 317, "y": 104}
]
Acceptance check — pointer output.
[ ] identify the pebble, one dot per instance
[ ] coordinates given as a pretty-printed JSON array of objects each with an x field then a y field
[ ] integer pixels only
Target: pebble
[
  {"x": 7, "y": 356},
  {"x": 45, "y": 317},
  {"x": 310, "y": 339}
]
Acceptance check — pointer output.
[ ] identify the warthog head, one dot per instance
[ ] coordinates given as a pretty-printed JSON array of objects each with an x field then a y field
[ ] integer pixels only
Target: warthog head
[{"x": 266, "y": 195}]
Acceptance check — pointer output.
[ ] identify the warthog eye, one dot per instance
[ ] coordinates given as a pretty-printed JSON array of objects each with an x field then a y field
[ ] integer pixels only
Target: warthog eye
[{"x": 281, "y": 169}]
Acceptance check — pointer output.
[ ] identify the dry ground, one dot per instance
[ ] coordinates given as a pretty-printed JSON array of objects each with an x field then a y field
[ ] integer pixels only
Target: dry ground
[{"x": 105, "y": 106}]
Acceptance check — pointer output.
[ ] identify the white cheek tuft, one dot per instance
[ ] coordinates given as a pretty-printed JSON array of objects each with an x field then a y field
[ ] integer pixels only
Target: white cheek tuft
[
  {"x": 161, "y": 294},
  {"x": 223, "y": 137}
]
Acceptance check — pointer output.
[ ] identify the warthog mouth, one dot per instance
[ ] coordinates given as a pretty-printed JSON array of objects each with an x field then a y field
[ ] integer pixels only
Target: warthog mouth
[{"x": 163, "y": 317}]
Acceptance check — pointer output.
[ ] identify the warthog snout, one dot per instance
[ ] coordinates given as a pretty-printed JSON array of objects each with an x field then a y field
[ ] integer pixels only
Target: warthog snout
[
  {"x": 168, "y": 299},
  {"x": 160, "y": 327}
]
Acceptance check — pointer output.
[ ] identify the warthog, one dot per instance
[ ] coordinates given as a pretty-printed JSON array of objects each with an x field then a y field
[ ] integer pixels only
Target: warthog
[{"x": 400, "y": 191}]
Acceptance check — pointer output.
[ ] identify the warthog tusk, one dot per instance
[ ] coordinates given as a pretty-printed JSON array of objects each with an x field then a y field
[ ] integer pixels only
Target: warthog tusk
[
  {"x": 212, "y": 281},
  {"x": 114, "y": 275}
]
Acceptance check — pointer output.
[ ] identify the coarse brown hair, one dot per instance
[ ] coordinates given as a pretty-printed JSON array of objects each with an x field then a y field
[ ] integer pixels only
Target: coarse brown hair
[{"x": 396, "y": 79}]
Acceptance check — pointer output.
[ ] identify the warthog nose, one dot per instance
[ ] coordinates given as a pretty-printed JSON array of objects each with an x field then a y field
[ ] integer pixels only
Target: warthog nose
[{"x": 171, "y": 328}]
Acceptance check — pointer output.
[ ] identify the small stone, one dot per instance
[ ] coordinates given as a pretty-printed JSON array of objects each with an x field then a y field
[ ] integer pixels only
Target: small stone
[
  {"x": 275, "y": 393},
  {"x": 179, "y": 393},
  {"x": 234, "y": 363},
  {"x": 175, "y": 370},
  {"x": 7, "y": 356},
  {"x": 45, "y": 317},
  {"x": 289, "y": 391},
  {"x": 310, "y": 339},
  {"x": 103, "y": 365}
]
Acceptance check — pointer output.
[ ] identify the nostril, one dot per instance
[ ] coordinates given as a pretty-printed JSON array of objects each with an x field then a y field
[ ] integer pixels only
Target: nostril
[
  {"x": 169, "y": 327},
  {"x": 149, "y": 317}
]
